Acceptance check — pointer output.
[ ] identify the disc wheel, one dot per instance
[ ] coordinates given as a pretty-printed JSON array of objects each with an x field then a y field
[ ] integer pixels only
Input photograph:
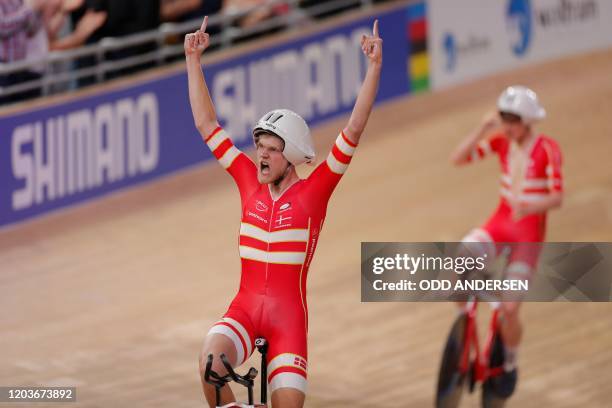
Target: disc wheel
[
  {"x": 489, "y": 397},
  {"x": 450, "y": 380}
]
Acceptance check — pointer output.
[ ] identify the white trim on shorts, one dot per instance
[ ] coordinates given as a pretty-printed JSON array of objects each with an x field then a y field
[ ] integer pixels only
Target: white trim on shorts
[
  {"x": 245, "y": 335},
  {"x": 287, "y": 360},
  {"x": 479, "y": 235},
  {"x": 288, "y": 380},
  {"x": 234, "y": 333}
]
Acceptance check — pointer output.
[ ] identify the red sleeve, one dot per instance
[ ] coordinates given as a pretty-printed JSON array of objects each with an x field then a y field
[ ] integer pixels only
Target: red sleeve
[
  {"x": 493, "y": 144},
  {"x": 327, "y": 175},
  {"x": 553, "y": 165},
  {"x": 237, "y": 164}
]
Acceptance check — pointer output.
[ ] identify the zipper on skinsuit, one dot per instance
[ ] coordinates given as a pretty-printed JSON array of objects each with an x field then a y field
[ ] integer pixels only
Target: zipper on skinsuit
[{"x": 268, "y": 248}]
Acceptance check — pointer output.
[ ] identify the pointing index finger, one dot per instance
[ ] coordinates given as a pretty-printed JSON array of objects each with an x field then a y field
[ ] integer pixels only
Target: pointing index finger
[
  {"x": 375, "y": 29},
  {"x": 204, "y": 24}
]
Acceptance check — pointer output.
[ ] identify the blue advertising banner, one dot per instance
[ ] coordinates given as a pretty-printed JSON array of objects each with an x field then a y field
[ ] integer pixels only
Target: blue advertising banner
[{"x": 62, "y": 155}]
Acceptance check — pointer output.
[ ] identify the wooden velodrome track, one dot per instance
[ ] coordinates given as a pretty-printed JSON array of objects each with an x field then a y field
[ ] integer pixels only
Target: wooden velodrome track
[{"x": 116, "y": 296}]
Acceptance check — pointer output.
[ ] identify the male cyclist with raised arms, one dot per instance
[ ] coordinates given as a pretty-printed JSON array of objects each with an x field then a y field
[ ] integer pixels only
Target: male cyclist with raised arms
[
  {"x": 531, "y": 185},
  {"x": 282, "y": 217}
]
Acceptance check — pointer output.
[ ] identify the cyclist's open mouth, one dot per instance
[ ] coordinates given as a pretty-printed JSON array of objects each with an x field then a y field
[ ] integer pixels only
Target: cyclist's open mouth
[{"x": 264, "y": 168}]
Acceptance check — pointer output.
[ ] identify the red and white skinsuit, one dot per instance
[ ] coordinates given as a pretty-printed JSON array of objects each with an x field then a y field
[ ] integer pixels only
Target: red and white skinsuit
[
  {"x": 529, "y": 178},
  {"x": 277, "y": 242}
]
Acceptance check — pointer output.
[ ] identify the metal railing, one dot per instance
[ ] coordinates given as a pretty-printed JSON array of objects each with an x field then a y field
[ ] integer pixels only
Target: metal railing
[{"x": 60, "y": 72}]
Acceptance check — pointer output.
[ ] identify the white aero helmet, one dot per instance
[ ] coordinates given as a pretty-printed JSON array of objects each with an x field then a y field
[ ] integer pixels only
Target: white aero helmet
[
  {"x": 522, "y": 102},
  {"x": 294, "y": 131}
]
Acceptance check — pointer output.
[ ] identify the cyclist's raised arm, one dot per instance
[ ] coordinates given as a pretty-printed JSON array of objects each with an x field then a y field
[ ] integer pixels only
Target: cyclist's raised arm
[
  {"x": 327, "y": 175},
  {"x": 240, "y": 166},
  {"x": 203, "y": 110},
  {"x": 372, "y": 48},
  {"x": 475, "y": 145}
]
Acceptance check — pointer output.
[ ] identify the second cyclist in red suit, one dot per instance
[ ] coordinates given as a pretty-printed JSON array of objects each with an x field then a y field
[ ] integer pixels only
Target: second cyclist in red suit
[{"x": 531, "y": 184}]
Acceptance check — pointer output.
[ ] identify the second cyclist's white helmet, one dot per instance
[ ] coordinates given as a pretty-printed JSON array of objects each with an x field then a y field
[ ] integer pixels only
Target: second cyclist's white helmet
[
  {"x": 294, "y": 131},
  {"x": 522, "y": 102}
]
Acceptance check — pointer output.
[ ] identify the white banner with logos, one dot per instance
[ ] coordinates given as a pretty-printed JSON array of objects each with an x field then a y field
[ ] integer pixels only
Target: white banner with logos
[{"x": 469, "y": 39}]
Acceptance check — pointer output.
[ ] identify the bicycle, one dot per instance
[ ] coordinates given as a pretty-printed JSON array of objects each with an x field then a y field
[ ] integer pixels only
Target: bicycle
[
  {"x": 463, "y": 362},
  {"x": 247, "y": 380}
]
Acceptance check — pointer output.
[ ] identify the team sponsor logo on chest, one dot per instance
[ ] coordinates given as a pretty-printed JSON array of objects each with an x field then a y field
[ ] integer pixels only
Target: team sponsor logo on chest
[
  {"x": 282, "y": 218},
  {"x": 258, "y": 210},
  {"x": 261, "y": 206},
  {"x": 257, "y": 216}
]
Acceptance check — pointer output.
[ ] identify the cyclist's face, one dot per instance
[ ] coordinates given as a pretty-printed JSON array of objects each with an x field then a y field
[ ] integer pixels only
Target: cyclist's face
[
  {"x": 514, "y": 128},
  {"x": 271, "y": 164}
]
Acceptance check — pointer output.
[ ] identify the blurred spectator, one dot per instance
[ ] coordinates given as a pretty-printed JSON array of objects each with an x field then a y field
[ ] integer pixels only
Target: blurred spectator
[
  {"x": 127, "y": 17},
  {"x": 37, "y": 45},
  {"x": 18, "y": 23},
  {"x": 250, "y": 14},
  {"x": 30, "y": 28},
  {"x": 185, "y": 10},
  {"x": 86, "y": 22},
  {"x": 321, "y": 11},
  {"x": 205, "y": 8},
  {"x": 86, "y": 19},
  {"x": 177, "y": 10},
  {"x": 121, "y": 17},
  {"x": 54, "y": 17},
  {"x": 96, "y": 19},
  {"x": 261, "y": 10}
]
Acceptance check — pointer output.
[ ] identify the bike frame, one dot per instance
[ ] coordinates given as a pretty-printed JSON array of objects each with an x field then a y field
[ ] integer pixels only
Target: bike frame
[{"x": 482, "y": 370}]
